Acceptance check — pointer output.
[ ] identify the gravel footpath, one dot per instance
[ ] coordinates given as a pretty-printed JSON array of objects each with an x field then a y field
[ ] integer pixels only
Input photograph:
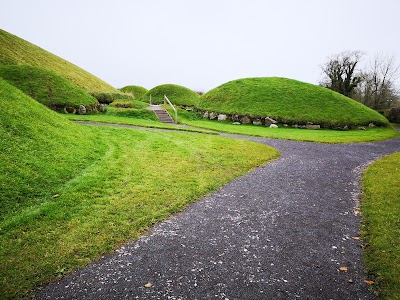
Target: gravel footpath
[{"x": 279, "y": 232}]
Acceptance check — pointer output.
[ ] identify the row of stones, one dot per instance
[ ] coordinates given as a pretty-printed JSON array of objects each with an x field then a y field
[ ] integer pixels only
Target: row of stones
[
  {"x": 239, "y": 119},
  {"x": 82, "y": 110}
]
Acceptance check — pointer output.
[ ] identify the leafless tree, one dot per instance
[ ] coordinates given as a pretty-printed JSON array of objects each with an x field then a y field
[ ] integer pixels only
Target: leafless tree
[
  {"x": 377, "y": 89},
  {"x": 341, "y": 73}
]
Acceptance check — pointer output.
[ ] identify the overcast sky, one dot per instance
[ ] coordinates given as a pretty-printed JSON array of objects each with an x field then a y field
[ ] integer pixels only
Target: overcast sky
[{"x": 202, "y": 44}]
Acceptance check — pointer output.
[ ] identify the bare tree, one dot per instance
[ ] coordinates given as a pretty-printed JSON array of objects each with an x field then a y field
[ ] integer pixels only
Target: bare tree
[
  {"x": 341, "y": 73},
  {"x": 377, "y": 89}
]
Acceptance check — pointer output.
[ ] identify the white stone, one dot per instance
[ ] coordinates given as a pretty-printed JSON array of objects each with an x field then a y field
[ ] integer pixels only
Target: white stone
[
  {"x": 222, "y": 117},
  {"x": 273, "y": 126}
]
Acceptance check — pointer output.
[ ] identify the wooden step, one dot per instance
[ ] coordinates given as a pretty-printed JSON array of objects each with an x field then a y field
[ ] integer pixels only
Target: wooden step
[{"x": 164, "y": 116}]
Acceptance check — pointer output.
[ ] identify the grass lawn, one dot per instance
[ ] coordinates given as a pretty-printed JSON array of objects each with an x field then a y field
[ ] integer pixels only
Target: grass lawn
[
  {"x": 150, "y": 123},
  {"x": 380, "y": 209},
  {"x": 141, "y": 178},
  {"x": 296, "y": 134}
]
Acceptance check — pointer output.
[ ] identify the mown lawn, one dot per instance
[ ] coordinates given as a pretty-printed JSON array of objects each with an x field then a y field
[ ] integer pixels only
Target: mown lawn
[
  {"x": 297, "y": 134},
  {"x": 141, "y": 178},
  {"x": 380, "y": 209}
]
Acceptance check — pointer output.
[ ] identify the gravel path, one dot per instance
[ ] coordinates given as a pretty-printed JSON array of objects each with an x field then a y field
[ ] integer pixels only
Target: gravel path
[{"x": 279, "y": 232}]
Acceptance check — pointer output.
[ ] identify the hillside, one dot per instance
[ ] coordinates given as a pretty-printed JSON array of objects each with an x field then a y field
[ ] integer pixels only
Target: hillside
[
  {"x": 40, "y": 149},
  {"x": 47, "y": 87},
  {"x": 16, "y": 51},
  {"x": 136, "y": 91},
  {"x": 288, "y": 101},
  {"x": 177, "y": 94}
]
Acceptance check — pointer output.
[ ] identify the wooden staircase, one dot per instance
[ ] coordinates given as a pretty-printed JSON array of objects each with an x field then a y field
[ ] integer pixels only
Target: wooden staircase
[{"x": 164, "y": 116}]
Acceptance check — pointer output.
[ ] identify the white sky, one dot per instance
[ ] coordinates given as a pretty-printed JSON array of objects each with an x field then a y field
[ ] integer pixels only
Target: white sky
[{"x": 202, "y": 44}]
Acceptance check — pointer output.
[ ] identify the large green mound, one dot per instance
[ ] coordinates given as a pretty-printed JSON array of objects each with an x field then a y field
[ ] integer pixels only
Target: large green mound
[
  {"x": 288, "y": 101},
  {"x": 46, "y": 87},
  {"x": 16, "y": 51},
  {"x": 40, "y": 150},
  {"x": 177, "y": 94},
  {"x": 136, "y": 91}
]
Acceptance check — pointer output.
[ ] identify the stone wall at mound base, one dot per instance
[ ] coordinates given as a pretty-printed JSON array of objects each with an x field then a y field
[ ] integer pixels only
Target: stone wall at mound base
[{"x": 268, "y": 121}]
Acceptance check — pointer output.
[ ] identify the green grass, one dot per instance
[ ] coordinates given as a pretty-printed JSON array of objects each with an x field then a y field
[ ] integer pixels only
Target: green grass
[
  {"x": 178, "y": 95},
  {"x": 380, "y": 209},
  {"x": 30, "y": 134},
  {"x": 16, "y": 51},
  {"x": 288, "y": 101},
  {"x": 125, "y": 103},
  {"x": 297, "y": 134},
  {"x": 136, "y": 91},
  {"x": 113, "y": 184},
  {"x": 143, "y": 114},
  {"x": 46, "y": 86}
]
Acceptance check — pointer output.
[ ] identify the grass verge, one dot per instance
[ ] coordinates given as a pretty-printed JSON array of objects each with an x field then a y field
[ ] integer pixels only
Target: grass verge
[
  {"x": 381, "y": 225},
  {"x": 142, "y": 178},
  {"x": 297, "y": 134}
]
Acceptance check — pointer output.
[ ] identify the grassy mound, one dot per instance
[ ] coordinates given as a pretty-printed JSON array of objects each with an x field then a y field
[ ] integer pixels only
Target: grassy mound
[
  {"x": 288, "y": 101},
  {"x": 177, "y": 94},
  {"x": 16, "y": 51},
  {"x": 131, "y": 113},
  {"x": 136, "y": 91},
  {"x": 46, "y": 87},
  {"x": 40, "y": 150}
]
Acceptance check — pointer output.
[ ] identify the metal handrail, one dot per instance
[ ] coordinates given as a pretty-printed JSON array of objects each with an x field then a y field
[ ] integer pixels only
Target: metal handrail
[{"x": 174, "y": 109}]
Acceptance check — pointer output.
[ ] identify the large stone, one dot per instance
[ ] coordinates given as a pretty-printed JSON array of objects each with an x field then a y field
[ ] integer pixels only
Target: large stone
[
  {"x": 235, "y": 118},
  {"x": 69, "y": 110},
  {"x": 313, "y": 126},
  {"x": 222, "y": 117},
  {"x": 257, "y": 122},
  {"x": 81, "y": 110},
  {"x": 371, "y": 125},
  {"x": 273, "y": 126},
  {"x": 206, "y": 115},
  {"x": 212, "y": 115},
  {"x": 101, "y": 107},
  {"x": 269, "y": 121},
  {"x": 245, "y": 120}
]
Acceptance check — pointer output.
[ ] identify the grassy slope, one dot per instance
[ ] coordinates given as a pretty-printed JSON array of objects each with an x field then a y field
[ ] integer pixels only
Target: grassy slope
[
  {"x": 16, "y": 51},
  {"x": 113, "y": 185},
  {"x": 136, "y": 91},
  {"x": 31, "y": 134},
  {"x": 46, "y": 86},
  {"x": 381, "y": 224},
  {"x": 288, "y": 100},
  {"x": 177, "y": 94}
]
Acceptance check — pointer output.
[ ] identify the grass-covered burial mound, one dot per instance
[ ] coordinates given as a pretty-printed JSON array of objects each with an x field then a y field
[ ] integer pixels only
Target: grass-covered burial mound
[{"x": 288, "y": 101}]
